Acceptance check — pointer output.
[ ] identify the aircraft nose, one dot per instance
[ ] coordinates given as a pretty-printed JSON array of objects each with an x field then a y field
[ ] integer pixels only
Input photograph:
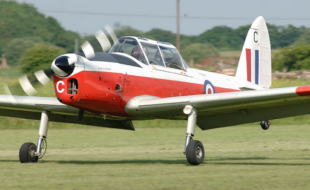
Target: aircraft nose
[{"x": 64, "y": 65}]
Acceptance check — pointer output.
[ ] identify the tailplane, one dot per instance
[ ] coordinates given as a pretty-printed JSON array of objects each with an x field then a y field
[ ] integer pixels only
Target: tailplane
[{"x": 255, "y": 60}]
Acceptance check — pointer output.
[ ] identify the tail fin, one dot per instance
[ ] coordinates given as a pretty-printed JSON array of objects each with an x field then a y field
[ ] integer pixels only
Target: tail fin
[{"x": 255, "y": 60}]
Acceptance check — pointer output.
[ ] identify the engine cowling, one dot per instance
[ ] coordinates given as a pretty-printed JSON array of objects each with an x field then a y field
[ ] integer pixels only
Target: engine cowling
[
  {"x": 64, "y": 65},
  {"x": 68, "y": 78}
]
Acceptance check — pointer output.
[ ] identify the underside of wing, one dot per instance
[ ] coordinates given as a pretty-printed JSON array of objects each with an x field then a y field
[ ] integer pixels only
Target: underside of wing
[
  {"x": 226, "y": 109},
  {"x": 30, "y": 107}
]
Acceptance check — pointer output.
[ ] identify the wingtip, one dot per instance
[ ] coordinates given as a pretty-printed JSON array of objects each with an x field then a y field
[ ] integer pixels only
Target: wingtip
[{"x": 303, "y": 91}]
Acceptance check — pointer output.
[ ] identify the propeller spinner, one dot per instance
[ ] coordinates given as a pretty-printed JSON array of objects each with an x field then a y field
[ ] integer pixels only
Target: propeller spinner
[{"x": 63, "y": 66}]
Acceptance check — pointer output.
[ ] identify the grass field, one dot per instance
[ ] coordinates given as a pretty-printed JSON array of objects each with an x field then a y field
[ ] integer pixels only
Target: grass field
[
  {"x": 244, "y": 157},
  {"x": 82, "y": 157}
]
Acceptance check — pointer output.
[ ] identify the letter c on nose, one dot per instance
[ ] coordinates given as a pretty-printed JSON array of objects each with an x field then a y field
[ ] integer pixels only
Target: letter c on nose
[{"x": 57, "y": 86}]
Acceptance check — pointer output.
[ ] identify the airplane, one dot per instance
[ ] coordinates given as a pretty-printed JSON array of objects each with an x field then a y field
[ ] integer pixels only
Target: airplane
[{"x": 143, "y": 79}]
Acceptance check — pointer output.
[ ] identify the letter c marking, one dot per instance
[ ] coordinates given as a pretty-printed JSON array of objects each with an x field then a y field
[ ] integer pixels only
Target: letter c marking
[
  {"x": 255, "y": 40},
  {"x": 57, "y": 86}
]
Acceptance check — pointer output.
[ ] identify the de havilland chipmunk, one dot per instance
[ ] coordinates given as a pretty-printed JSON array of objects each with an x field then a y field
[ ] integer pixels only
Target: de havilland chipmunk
[{"x": 142, "y": 79}]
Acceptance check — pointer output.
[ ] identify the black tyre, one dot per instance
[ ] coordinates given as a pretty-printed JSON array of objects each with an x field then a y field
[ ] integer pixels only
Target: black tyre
[
  {"x": 195, "y": 152},
  {"x": 26, "y": 153},
  {"x": 265, "y": 124}
]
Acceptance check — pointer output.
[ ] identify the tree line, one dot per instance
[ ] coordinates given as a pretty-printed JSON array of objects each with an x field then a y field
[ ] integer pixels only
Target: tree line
[{"x": 22, "y": 27}]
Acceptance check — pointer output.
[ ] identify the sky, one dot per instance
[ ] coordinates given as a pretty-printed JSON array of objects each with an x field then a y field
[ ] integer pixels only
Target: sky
[{"x": 88, "y": 16}]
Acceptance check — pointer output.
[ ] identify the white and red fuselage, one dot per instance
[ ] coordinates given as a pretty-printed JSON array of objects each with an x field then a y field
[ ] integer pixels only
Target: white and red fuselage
[{"x": 104, "y": 85}]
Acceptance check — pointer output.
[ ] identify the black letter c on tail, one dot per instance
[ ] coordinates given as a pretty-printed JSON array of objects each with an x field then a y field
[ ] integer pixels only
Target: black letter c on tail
[{"x": 254, "y": 36}]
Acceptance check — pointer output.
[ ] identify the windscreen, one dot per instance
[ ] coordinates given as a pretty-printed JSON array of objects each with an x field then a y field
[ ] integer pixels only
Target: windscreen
[
  {"x": 172, "y": 57},
  {"x": 153, "y": 54}
]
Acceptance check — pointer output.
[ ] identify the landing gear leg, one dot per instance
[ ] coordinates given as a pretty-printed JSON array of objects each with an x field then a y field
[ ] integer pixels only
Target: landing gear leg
[
  {"x": 193, "y": 149},
  {"x": 29, "y": 152}
]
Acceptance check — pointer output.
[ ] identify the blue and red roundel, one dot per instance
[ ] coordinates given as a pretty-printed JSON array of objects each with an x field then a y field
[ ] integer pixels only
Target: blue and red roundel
[{"x": 208, "y": 88}]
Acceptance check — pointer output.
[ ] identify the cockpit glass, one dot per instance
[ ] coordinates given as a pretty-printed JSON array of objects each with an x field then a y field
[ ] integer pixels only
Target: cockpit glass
[
  {"x": 172, "y": 57},
  {"x": 184, "y": 63},
  {"x": 153, "y": 54},
  {"x": 129, "y": 46}
]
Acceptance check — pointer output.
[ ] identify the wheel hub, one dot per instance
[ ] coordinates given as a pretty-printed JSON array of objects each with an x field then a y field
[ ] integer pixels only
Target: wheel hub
[
  {"x": 198, "y": 152},
  {"x": 32, "y": 153}
]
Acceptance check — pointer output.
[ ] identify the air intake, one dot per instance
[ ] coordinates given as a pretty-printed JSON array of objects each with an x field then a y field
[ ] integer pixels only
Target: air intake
[{"x": 73, "y": 86}]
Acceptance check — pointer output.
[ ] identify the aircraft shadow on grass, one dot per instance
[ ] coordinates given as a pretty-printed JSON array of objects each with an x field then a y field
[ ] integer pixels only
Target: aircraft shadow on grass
[{"x": 212, "y": 161}]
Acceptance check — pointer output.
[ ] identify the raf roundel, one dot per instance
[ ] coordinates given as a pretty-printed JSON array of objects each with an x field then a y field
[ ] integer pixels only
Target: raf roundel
[{"x": 208, "y": 88}]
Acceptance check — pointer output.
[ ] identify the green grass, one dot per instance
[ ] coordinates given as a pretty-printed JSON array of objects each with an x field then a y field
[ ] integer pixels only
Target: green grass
[
  {"x": 83, "y": 157},
  {"x": 151, "y": 158},
  {"x": 289, "y": 83}
]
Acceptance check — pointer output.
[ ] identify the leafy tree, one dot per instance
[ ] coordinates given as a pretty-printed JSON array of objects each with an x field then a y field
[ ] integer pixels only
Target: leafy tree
[
  {"x": 281, "y": 36},
  {"x": 128, "y": 31},
  {"x": 292, "y": 58},
  {"x": 304, "y": 39},
  {"x": 66, "y": 40},
  {"x": 22, "y": 20},
  {"x": 16, "y": 48},
  {"x": 222, "y": 37},
  {"x": 242, "y": 31},
  {"x": 39, "y": 57},
  {"x": 161, "y": 35},
  {"x": 303, "y": 64},
  {"x": 198, "y": 51},
  {"x": 187, "y": 40}
]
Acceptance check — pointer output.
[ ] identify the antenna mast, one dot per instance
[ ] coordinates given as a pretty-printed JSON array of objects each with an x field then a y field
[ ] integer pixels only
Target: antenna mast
[{"x": 178, "y": 25}]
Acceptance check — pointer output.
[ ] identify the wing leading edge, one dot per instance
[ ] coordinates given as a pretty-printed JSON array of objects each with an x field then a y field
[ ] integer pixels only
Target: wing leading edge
[
  {"x": 226, "y": 109},
  {"x": 29, "y": 107}
]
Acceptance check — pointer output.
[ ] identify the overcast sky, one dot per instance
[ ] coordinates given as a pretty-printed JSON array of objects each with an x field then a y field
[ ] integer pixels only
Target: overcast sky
[{"x": 197, "y": 16}]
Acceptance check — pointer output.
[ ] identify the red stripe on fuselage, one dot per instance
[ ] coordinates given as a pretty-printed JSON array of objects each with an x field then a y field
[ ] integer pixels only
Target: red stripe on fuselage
[
  {"x": 224, "y": 90},
  {"x": 100, "y": 96},
  {"x": 248, "y": 64}
]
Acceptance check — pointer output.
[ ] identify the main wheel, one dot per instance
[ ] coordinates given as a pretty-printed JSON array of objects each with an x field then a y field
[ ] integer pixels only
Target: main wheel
[
  {"x": 265, "y": 124},
  {"x": 195, "y": 152},
  {"x": 27, "y": 153}
]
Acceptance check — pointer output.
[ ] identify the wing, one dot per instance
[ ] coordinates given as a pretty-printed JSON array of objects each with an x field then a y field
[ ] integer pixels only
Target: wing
[
  {"x": 30, "y": 107},
  {"x": 226, "y": 109}
]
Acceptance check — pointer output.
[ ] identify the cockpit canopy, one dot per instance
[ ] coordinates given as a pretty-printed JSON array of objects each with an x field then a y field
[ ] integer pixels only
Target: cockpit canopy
[{"x": 150, "y": 52}]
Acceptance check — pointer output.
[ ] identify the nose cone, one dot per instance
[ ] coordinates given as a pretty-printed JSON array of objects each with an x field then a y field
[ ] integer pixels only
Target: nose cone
[{"x": 64, "y": 65}]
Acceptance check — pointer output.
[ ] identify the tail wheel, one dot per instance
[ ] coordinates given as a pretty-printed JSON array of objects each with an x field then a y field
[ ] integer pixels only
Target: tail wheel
[
  {"x": 27, "y": 153},
  {"x": 265, "y": 124},
  {"x": 195, "y": 152}
]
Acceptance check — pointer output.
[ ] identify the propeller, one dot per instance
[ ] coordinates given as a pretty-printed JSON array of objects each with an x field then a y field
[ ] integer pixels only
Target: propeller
[{"x": 62, "y": 66}]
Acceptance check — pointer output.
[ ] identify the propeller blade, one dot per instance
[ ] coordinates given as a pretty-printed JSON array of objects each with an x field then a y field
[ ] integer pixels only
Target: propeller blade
[
  {"x": 42, "y": 77},
  {"x": 88, "y": 50},
  {"x": 103, "y": 40},
  {"x": 26, "y": 85},
  {"x": 111, "y": 33},
  {"x": 8, "y": 92}
]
